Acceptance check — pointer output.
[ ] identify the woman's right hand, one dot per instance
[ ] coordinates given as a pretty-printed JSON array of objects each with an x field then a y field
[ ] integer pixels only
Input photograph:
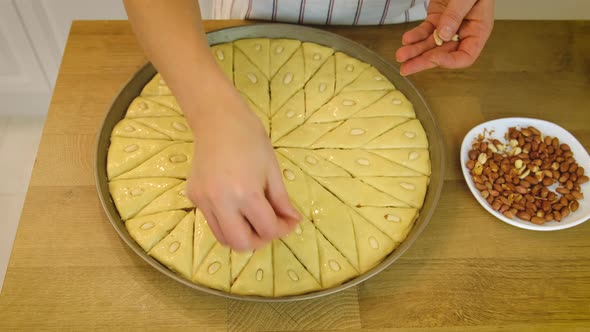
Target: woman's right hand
[{"x": 236, "y": 180}]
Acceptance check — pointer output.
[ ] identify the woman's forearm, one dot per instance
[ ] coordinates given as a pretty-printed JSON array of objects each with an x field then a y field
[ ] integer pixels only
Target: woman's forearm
[{"x": 173, "y": 38}]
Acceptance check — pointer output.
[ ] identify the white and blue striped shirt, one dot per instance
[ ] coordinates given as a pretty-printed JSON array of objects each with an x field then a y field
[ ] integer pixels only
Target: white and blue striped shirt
[{"x": 328, "y": 12}]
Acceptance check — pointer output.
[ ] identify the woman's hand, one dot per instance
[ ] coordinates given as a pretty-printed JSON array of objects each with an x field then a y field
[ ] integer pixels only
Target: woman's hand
[
  {"x": 472, "y": 20},
  {"x": 236, "y": 180}
]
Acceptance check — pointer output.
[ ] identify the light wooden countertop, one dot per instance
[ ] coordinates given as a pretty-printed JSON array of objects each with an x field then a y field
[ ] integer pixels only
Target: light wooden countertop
[{"x": 466, "y": 272}]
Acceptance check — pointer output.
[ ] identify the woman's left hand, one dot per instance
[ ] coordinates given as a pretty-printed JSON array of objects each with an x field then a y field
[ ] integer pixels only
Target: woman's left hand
[{"x": 472, "y": 20}]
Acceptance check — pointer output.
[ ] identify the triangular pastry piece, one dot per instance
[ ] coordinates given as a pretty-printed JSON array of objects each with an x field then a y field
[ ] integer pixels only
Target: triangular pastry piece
[
  {"x": 130, "y": 196},
  {"x": 394, "y": 103},
  {"x": 344, "y": 105},
  {"x": 347, "y": 70},
  {"x": 373, "y": 245},
  {"x": 410, "y": 190},
  {"x": 130, "y": 128},
  {"x": 364, "y": 163},
  {"x": 315, "y": 56},
  {"x": 238, "y": 260},
  {"x": 168, "y": 101},
  {"x": 173, "y": 199},
  {"x": 354, "y": 192},
  {"x": 288, "y": 80},
  {"x": 290, "y": 116},
  {"x": 280, "y": 51},
  {"x": 174, "y": 162},
  {"x": 330, "y": 217},
  {"x": 224, "y": 55},
  {"x": 214, "y": 271},
  {"x": 312, "y": 163},
  {"x": 290, "y": 277},
  {"x": 204, "y": 240},
  {"x": 296, "y": 183},
  {"x": 304, "y": 135},
  {"x": 354, "y": 133},
  {"x": 176, "y": 249},
  {"x": 147, "y": 231},
  {"x": 302, "y": 242},
  {"x": 407, "y": 135},
  {"x": 394, "y": 222},
  {"x": 335, "y": 268},
  {"x": 175, "y": 127},
  {"x": 320, "y": 88},
  {"x": 251, "y": 81},
  {"x": 370, "y": 79},
  {"x": 144, "y": 108},
  {"x": 416, "y": 159},
  {"x": 257, "y": 276},
  {"x": 127, "y": 153},
  {"x": 156, "y": 87},
  {"x": 262, "y": 115},
  {"x": 258, "y": 52}
]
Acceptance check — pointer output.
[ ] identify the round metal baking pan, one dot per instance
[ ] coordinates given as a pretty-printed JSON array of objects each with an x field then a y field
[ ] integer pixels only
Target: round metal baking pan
[{"x": 133, "y": 88}]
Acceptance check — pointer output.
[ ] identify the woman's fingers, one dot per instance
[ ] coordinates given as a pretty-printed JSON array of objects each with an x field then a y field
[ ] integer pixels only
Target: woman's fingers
[
  {"x": 277, "y": 195},
  {"x": 452, "y": 17},
  {"x": 425, "y": 60},
  {"x": 417, "y": 34},
  {"x": 213, "y": 224},
  {"x": 408, "y": 52},
  {"x": 237, "y": 231},
  {"x": 464, "y": 56},
  {"x": 263, "y": 219}
]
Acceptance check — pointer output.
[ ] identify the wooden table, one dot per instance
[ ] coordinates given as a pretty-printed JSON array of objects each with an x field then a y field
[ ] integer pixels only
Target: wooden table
[{"x": 466, "y": 272}]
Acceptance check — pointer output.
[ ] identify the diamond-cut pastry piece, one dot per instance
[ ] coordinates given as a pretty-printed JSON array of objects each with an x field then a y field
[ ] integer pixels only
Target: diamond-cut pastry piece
[
  {"x": 130, "y": 196},
  {"x": 167, "y": 101},
  {"x": 315, "y": 56},
  {"x": 127, "y": 153},
  {"x": 290, "y": 277},
  {"x": 173, "y": 199},
  {"x": 320, "y": 88},
  {"x": 204, "y": 240},
  {"x": 290, "y": 116},
  {"x": 364, "y": 163},
  {"x": 251, "y": 81},
  {"x": 224, "y": 55},
  {"x": 173, "y": 162},
  {"x": 354, "y": 133},
  {"x": 238, "y": 260},
  {"x": 296, "y": 183},
  {"x": 130, "y": 128},
  {"x": 330, "y": 217},
  {"x": 335, "y": 268},
  {"x": 302, "y": 242},
  {"x": 288, "y": 80},
  {"x": 312, "y": 163},
  {"x": 144, "y": 108},
  {"x": 280, "y": 51},
  {"x": 373, "y": 245},
  {"x": 354, "y": 192},
  {"x": 416, "y": 159},
  {"x": 369, "y": 79},
  {"x": 394, "y": 222},
  {"x": 347, "y": 70},
  {"x": 344, "y": 105},
  {"x": 176, "y": 249},
  {"x": 174, "y": 127},
  {"x": 407, "y": 135},
  {"x": 156, "y": 87},
  {"x": 394, "y": 103},
  {"x": 258, "y": 52},
  {"x": 304, "y": 135},
  {"x": 148, "y": 230},
  {"x": 410, "y": 190},
  {"x": 257, "y": 277},
  {"x": 214, "y": 271}
]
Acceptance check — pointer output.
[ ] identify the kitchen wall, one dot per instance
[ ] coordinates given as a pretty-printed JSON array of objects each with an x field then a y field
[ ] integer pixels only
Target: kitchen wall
[{"x": 33, "y": 34}]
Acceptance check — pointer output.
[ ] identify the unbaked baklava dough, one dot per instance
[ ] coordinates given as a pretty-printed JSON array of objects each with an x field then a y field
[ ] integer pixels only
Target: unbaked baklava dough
[{"x": 353, "y": 157}]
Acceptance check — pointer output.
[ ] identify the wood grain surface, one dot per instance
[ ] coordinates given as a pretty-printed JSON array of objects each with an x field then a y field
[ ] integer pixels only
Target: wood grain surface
[{"x": 467, "y": 272}]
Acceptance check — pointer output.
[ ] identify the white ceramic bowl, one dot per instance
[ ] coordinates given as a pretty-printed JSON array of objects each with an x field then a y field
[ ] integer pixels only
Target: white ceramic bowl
[{"x": 500, "y": 127}]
